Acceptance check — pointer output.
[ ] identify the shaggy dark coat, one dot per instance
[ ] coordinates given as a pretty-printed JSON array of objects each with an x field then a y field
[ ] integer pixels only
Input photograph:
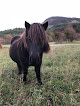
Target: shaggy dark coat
[{"x": 27, "y": 50}]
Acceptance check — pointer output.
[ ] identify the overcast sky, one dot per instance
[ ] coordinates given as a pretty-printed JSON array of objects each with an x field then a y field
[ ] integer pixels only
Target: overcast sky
[{"x": 13, "y": 13}]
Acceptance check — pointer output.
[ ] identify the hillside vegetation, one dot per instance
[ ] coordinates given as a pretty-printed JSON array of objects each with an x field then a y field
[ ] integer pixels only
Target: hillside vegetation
[
  {"x": 61, "y": 20},
  {"x": 6, "y": 36},
  {"x": 60, "y": 29},
  {"x": 63, "y": 29}
]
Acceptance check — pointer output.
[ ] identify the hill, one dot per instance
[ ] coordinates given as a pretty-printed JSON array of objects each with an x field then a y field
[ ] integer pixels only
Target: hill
[
  {"x": 54, "y": 21},
  {"x": 56, "y": 24},
  {"x": 12, "y": 32},
  {"x": 60, "y": 23},
  {"x": 6, "y": 35},
  {"x": 63, "y": 28}
]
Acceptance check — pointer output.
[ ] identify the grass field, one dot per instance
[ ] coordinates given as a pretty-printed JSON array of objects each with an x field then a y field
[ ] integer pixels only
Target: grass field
[
  {"x": 60, "y": 74},
  {"x": 74, "y": 42}
]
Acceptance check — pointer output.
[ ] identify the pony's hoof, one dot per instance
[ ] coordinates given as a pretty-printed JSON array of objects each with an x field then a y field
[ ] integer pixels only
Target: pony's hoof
[
  {"x": 25, "y": 82},
  {"x": 40, "y": 83}
]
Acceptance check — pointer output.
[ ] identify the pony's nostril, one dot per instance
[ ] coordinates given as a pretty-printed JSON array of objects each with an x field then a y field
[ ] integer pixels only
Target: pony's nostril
[
  {"x": 30, "y": 58},
  {"x": 34, "y": 58}
]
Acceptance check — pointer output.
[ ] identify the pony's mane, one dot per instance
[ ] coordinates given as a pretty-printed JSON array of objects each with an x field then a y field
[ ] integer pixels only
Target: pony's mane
[
  {"x": 22, "y": 40},
  {"x": 36, "y": 34}
]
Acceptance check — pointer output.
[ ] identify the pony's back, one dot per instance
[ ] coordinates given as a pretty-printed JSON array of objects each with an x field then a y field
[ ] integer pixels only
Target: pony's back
[{"x": 15, "y": 38}]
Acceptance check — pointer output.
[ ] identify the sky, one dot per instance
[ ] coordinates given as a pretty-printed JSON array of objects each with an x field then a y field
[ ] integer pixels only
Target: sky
[{"x": 13, "y": 13}]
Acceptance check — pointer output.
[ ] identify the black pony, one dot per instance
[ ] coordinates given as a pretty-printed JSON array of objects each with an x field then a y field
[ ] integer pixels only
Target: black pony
[{"x": 27, "y": 50}]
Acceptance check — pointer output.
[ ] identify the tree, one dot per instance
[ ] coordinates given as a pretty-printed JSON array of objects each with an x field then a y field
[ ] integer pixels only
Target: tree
[
  {"x": 1, "y": 40},
  {"x": 8, "y": 38},
  {"x": 58, "y": 36},
  {"x": 70, "y": 33}
]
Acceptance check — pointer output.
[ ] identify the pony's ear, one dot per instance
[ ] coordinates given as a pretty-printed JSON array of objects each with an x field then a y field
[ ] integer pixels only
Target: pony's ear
[
  {"x": 27, "y": 25},
  {"x": 45, "y": 25}
]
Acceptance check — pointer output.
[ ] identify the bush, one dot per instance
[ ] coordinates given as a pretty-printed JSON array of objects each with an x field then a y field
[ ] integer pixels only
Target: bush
[{"x": 70, "y": 34}]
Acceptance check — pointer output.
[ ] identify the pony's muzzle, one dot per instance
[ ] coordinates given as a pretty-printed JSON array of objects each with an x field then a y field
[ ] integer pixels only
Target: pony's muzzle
[{"x": 34, "y": 59}]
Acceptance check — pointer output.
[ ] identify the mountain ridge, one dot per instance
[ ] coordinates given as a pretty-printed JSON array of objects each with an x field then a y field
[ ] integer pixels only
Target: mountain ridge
[
  {"x": 56, "y": 20},
  {"x": 56, "y": 25}
]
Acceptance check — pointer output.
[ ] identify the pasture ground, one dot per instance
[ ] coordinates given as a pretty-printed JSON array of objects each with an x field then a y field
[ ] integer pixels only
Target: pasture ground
[
  {"x": 74, "y": 42},
  {"x": 60, "y": 74}
]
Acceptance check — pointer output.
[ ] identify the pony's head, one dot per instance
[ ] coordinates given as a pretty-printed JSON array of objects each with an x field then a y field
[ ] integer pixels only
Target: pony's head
[
  {"x": 35, "y": 40},
  {"x": 36, "y": 33}
]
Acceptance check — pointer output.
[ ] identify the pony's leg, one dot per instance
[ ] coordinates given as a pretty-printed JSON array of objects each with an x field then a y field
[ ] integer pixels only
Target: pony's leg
[
  {"x": 20, "y": 69},
  {"x": 25, "y": 71},
  {"x": 37, "y": 70}
]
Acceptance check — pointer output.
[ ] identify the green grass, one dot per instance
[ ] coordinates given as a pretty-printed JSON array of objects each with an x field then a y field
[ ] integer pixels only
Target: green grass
[
  {"x": 74, "y": 42},
  {"x": 6, "y": 46},
  {"x": 52, "y": 43},
  {"x": 60, "y": 74}
]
